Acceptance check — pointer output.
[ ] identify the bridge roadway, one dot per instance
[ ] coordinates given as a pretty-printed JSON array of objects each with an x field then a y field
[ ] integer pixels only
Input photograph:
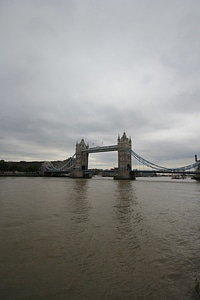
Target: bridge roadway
[
  {"x": 101, "y": 149},
  {"x": 167, "y": 172}
]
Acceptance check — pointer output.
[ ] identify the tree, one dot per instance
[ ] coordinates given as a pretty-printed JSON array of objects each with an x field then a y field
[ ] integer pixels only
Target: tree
[
  {"x": 13, "y": 168},
  {"x": 3, "y": 166},
  {"x": 32, "y": 169}
]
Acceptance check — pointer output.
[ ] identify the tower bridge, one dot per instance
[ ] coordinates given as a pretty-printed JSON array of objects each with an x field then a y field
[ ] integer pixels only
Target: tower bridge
[
  {"x": 77, "y": 165},
  {"x": 124, "y": 158}
]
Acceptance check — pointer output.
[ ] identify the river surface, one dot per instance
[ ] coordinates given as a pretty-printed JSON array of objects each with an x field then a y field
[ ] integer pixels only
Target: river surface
[{"x": 75, "y": 239}]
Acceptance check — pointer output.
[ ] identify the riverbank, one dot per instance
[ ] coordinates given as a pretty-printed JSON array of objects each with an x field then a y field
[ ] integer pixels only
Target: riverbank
[{"x": 20, "y": 175}]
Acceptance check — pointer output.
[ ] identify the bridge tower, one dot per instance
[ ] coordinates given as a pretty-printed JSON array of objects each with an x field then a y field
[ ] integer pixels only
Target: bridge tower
[
  {"x": 124, "y": 157},
  {"x": 81, "y": 163},
  {"x": 81, "y": 157}
]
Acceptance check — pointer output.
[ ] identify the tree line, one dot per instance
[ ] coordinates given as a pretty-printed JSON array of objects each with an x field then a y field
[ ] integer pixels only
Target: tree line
[{"x": 26, "y": 167}]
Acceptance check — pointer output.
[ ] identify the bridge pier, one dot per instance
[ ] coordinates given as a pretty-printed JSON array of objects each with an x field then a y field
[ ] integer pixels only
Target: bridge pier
[
  {"x": 125, "y": 175},
  {"x": 80, "y": 174}
]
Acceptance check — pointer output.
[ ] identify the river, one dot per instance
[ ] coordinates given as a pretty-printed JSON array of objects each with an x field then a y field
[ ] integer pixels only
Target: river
[{"x": 99, "y": 238}]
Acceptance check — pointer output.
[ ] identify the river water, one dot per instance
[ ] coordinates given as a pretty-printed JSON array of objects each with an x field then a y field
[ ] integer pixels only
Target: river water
[{"x": 63, "y": 238}]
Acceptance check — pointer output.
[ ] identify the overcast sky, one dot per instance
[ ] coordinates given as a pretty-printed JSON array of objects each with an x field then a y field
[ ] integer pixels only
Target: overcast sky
[{"x": 92, "y": 69}]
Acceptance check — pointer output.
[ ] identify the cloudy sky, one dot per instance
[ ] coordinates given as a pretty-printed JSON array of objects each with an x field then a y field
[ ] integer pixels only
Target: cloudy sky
[{"x": 92, "y": 69}]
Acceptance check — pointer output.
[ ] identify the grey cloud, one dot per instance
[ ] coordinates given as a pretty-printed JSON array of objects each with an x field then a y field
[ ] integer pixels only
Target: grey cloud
[{"x": 92, "y": 69}]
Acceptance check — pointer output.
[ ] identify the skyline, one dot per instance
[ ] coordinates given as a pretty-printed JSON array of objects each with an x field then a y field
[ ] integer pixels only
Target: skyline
[{"x": 94, "y": 69}]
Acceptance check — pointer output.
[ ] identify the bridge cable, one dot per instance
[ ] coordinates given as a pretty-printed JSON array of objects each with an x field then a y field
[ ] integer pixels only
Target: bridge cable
[{"x": 160, "y": 168}]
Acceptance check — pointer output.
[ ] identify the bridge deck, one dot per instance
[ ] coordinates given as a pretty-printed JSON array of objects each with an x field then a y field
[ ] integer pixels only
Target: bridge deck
[{"x": 167, "y": 172}]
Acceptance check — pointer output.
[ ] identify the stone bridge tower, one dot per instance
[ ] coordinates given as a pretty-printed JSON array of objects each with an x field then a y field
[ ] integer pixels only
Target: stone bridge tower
[
  {"x": 81, "y": 162},
  {"x": 124, "y": 157},
  {"x": 81, "y": 157}
]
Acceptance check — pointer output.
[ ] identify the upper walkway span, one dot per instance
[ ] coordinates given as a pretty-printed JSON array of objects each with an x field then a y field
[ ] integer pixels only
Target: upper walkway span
[{"x": 101, "y": 149}]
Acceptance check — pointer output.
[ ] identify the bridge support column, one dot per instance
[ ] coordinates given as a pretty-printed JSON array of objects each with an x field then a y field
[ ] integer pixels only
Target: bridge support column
[{"x": 124, "y": 159}]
